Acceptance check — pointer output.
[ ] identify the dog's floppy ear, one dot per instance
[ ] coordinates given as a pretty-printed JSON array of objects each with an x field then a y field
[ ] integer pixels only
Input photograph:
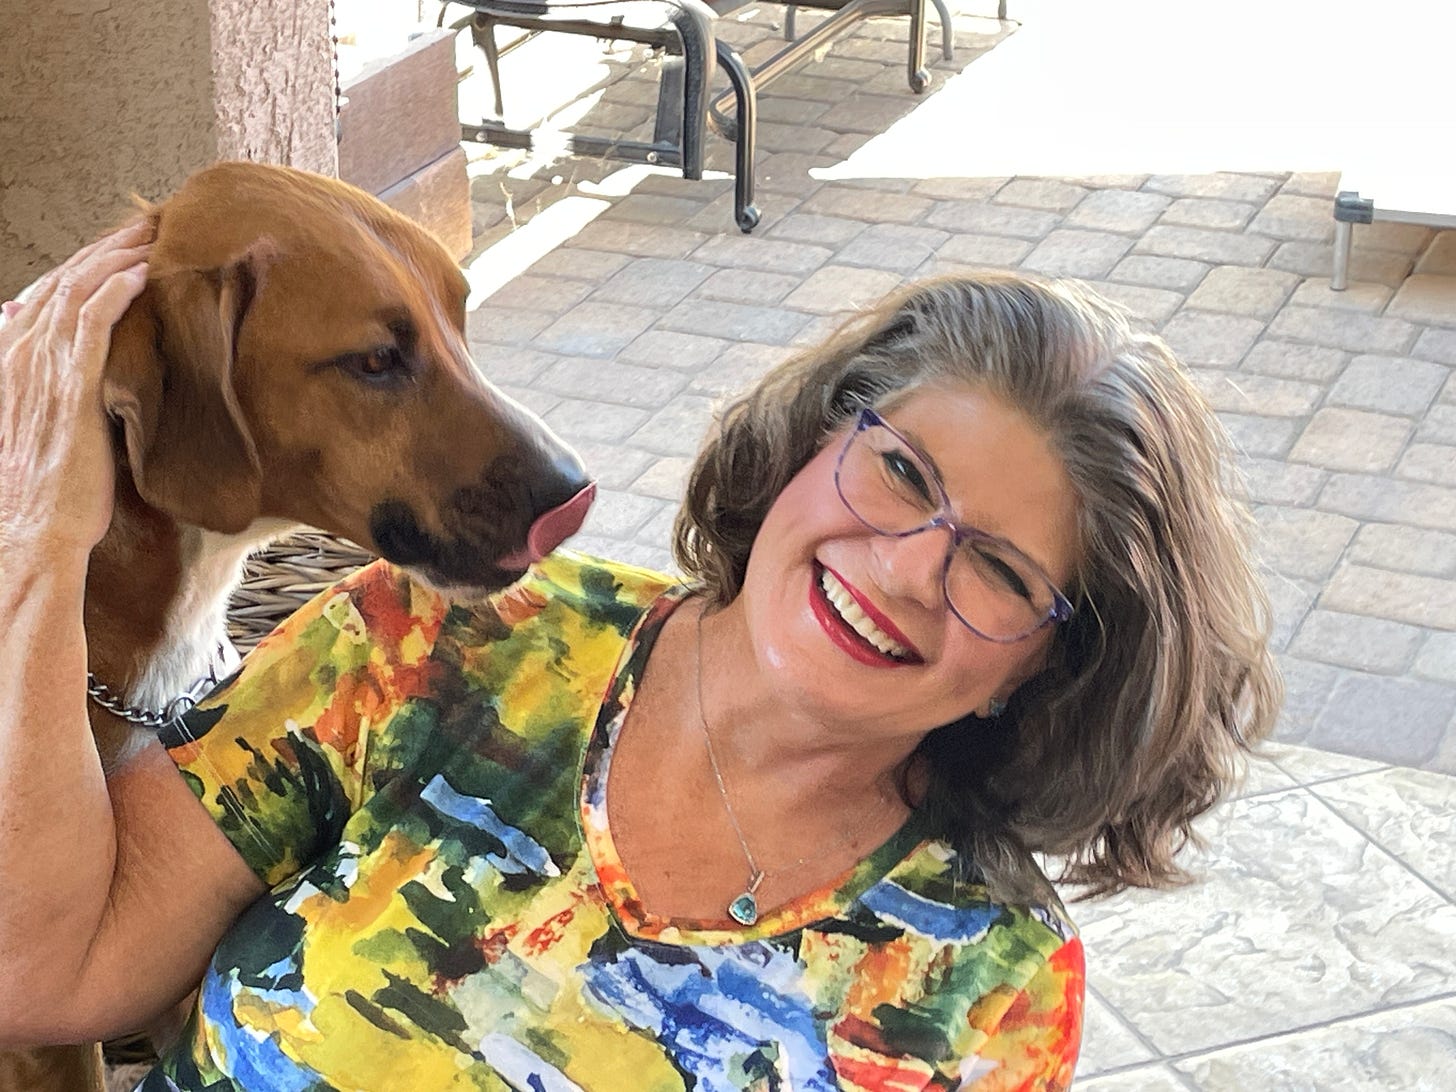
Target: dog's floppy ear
[{"x": 169, "y": 381}]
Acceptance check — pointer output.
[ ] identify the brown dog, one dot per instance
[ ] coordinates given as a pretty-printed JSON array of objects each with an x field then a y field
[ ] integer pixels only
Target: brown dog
[{"x": 297, "y": 357}]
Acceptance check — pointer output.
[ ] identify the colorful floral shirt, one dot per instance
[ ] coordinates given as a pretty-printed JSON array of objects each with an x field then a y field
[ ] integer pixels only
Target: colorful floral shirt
[{"x": 422, "y": 784}]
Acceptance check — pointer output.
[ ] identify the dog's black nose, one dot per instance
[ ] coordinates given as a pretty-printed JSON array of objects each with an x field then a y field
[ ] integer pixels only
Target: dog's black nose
[{"x": 563, "y": 480}]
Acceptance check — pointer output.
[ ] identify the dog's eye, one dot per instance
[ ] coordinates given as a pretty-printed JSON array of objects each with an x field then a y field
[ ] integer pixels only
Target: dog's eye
[{"x": 383, "y": 365}]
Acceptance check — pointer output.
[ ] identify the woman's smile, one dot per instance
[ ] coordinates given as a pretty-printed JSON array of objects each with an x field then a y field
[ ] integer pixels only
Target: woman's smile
[{"x": 853, "y": 623}]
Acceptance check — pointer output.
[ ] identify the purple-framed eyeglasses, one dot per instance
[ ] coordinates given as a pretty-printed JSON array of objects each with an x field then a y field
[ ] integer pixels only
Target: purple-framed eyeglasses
[{"x": 891, "y": 487}]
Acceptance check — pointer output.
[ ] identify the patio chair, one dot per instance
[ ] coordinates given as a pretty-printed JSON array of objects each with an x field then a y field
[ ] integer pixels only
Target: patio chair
[{"x": 691, "y": 51}]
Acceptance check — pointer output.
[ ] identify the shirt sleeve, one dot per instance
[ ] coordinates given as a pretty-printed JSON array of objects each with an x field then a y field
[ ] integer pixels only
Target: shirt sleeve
[
  {"x": 1032, "y": 1035},
  {"x": 285, "y": 751}
]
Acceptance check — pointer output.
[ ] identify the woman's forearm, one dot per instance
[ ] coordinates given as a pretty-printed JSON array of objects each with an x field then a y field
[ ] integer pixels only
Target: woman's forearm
[{"x": 57, "y": 832}]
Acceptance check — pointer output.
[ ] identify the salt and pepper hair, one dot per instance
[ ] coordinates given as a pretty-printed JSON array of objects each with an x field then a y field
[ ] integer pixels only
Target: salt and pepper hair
[{"x": 1161, "y": 680}]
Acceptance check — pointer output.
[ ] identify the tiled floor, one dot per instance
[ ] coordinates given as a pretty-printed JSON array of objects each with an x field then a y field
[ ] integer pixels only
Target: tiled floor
[{"x": 1319, "y": 949}]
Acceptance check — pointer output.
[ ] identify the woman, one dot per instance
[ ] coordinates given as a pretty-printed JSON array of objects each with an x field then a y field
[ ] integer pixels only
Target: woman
[{"x": 965, "y": 586}]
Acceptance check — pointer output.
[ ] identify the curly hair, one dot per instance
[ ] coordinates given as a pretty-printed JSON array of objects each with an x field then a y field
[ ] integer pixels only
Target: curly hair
[{"x": 1160, "y": 682}]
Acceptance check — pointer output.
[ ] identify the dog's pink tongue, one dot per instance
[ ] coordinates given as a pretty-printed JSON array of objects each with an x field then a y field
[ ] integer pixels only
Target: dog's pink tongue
[{"x": 552, "y": 528}]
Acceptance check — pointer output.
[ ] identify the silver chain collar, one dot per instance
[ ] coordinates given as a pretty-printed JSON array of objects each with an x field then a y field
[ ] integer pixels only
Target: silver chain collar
[{"x": 152, "y": 719}]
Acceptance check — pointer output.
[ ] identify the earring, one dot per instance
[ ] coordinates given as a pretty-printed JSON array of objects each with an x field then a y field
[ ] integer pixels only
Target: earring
[{"x": 995, "y": 708}]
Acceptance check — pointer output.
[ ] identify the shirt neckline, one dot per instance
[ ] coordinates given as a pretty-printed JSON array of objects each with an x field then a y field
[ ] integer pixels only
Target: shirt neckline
[{"x": 830, "y": 900}]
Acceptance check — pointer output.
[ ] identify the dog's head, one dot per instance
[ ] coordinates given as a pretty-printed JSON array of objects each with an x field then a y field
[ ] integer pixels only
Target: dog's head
[{"x": 299, "y": 355}]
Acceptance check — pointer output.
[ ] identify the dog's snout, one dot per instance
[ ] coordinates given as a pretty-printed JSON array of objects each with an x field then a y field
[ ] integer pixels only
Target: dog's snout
[{"x": 564, "y": 479}]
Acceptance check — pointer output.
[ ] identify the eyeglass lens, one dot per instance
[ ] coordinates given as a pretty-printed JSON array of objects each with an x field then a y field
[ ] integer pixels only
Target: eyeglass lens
[{"x": 995, "y": 589}]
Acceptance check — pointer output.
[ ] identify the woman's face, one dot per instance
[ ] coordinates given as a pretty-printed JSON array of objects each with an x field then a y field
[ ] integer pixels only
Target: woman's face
[{"x": 1001, "y": 476}]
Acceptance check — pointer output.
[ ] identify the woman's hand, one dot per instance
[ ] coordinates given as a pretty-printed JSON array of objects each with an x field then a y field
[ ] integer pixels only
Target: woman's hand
[{"x": 56, "y": 466}]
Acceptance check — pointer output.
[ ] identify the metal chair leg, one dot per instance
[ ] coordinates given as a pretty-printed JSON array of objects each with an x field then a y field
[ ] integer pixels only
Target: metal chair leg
[
  {"x": 482, "y": 30},
  {"x": 1340, "y": 275},
  {"x": 745, "y": 212},
  {"x": 919, "y": 74}
]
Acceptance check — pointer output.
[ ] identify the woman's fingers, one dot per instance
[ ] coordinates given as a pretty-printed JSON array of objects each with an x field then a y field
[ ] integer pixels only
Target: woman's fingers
[
  {"x": 103, "y": 309},
  {"x": 84, "y": 271}
]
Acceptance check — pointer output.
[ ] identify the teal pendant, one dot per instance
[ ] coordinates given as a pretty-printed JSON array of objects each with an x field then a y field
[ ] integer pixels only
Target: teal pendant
[{"x": 744, "y": 909}]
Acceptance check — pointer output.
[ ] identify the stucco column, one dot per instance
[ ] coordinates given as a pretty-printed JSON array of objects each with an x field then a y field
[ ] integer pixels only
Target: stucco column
[{"x": 101, "y": 99}]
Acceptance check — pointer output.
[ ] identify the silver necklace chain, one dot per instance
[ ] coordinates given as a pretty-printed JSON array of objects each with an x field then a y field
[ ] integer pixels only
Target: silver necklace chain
[{"x": 743, "y": 908}]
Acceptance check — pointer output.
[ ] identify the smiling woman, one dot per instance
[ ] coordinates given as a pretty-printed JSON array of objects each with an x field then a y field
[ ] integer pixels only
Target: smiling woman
[{"x": 965, "y": 586}]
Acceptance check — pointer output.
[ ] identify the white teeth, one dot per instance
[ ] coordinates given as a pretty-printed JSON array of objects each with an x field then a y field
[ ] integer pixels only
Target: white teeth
[{"x": 858, "y": 620}]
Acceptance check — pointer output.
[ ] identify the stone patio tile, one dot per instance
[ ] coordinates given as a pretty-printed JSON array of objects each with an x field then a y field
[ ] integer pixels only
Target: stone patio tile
[
  {"x": 749, "y": 252},
  {"x": 1413, "y": 717},
  {"x": 665, "y": 478},
  {"x": 747, "y": 286},
  {"x": 639, "y": 240},
  {"x": 595, "y": 329},
  {"x": 1376, "y": 497},
  {"x": 1409, "y": 240},
  {"x": 657, "y": 531},
  {"x": 1202, "y": 212},
  {"x": 1345, "y": 439},
  {"x": 660, "y": 282},
  {"x": 1307, "y": 688},
  {"x": 1437, "y": 345},
  {"x": 1228, "y": 187},
  {"x": 1354, "y": 640},
  {"x": 548, "y": 295},
  {"x": 538, "y": 402},
  {"x": 1201, "y": 244},
  {"x": 1400, "y": 1050},
  {"x": 1107, "y": 1043},
  {"x": 998, "y": 251},
  {"x": 1294, "y": 360},
  {"x": 1211, "y": 340},
  {"x": 1290, "y": 599},
  {"x": 510, "y": 363},
  {"x": 584, "y": 420},
  {"x": 1260, "y": 777},
  {"x": 1178, "y": 274},
  {"x": 873, "y": 208},
  {"x": 981, "y": 218},
  {"x": 1274, "y": 481},
  {"x": 1288, "y": 216},
  {"x": 716, "y": 318},
  {"x": 1301, "y": 541},
  {"x": 1437, "y": 658},
  {"x": 1310, "y": 766},
  {"x": 738, "y": 367},
  {"x": 654, "y": 208},
  {"x": 669, "y": 348},
  {"x": 615, "y": 466},
  {"x": 676, "y": 429},
  {"x": 809, "y": 227},
  {"x": 787, "y": 111},
  {"x": 1426, "y": 297},
  {"x": 1243, "y": 392},
  {"x": 1128, "y": 211},
  {"x": 1357, "y": 295},
  {"x": 1429, "y": 463},
  {"x": 1405, "y": 549},
  {"x": 1313, "y": 184},
  {"x": 958, "y": 189},
  {"x": 1440, "y": 256},
  {"x": 836, "y": 289},
  {"x": 1129, "y": 182},
  {"x": 1283, "y": 879},
  {"x": 1390, "y": 384},
  {"x": 1143, "y": 1078},
  {"x": 772, "y": 137},
  {"x": 1040, "y": 193},
  {"x": 612, "y": 382},
  {"x": 1380, "y": 593},
  {"x": 1317, "y": 260},
  {"x": 1240, "y": 290},
  {"x": 1070, "y": 252},
  {"x": 1153, "y": 306},
  {"x": 617, "y": 513},
  {"x": 1409, "y": 813},
  {"x": 505, "y": 325},
  {"x": 1260, "y": 436},
  {"x": 896, "y": 247},
  {"x": 1344, "y": 329},
  {"x": 579, "y": 263}
]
